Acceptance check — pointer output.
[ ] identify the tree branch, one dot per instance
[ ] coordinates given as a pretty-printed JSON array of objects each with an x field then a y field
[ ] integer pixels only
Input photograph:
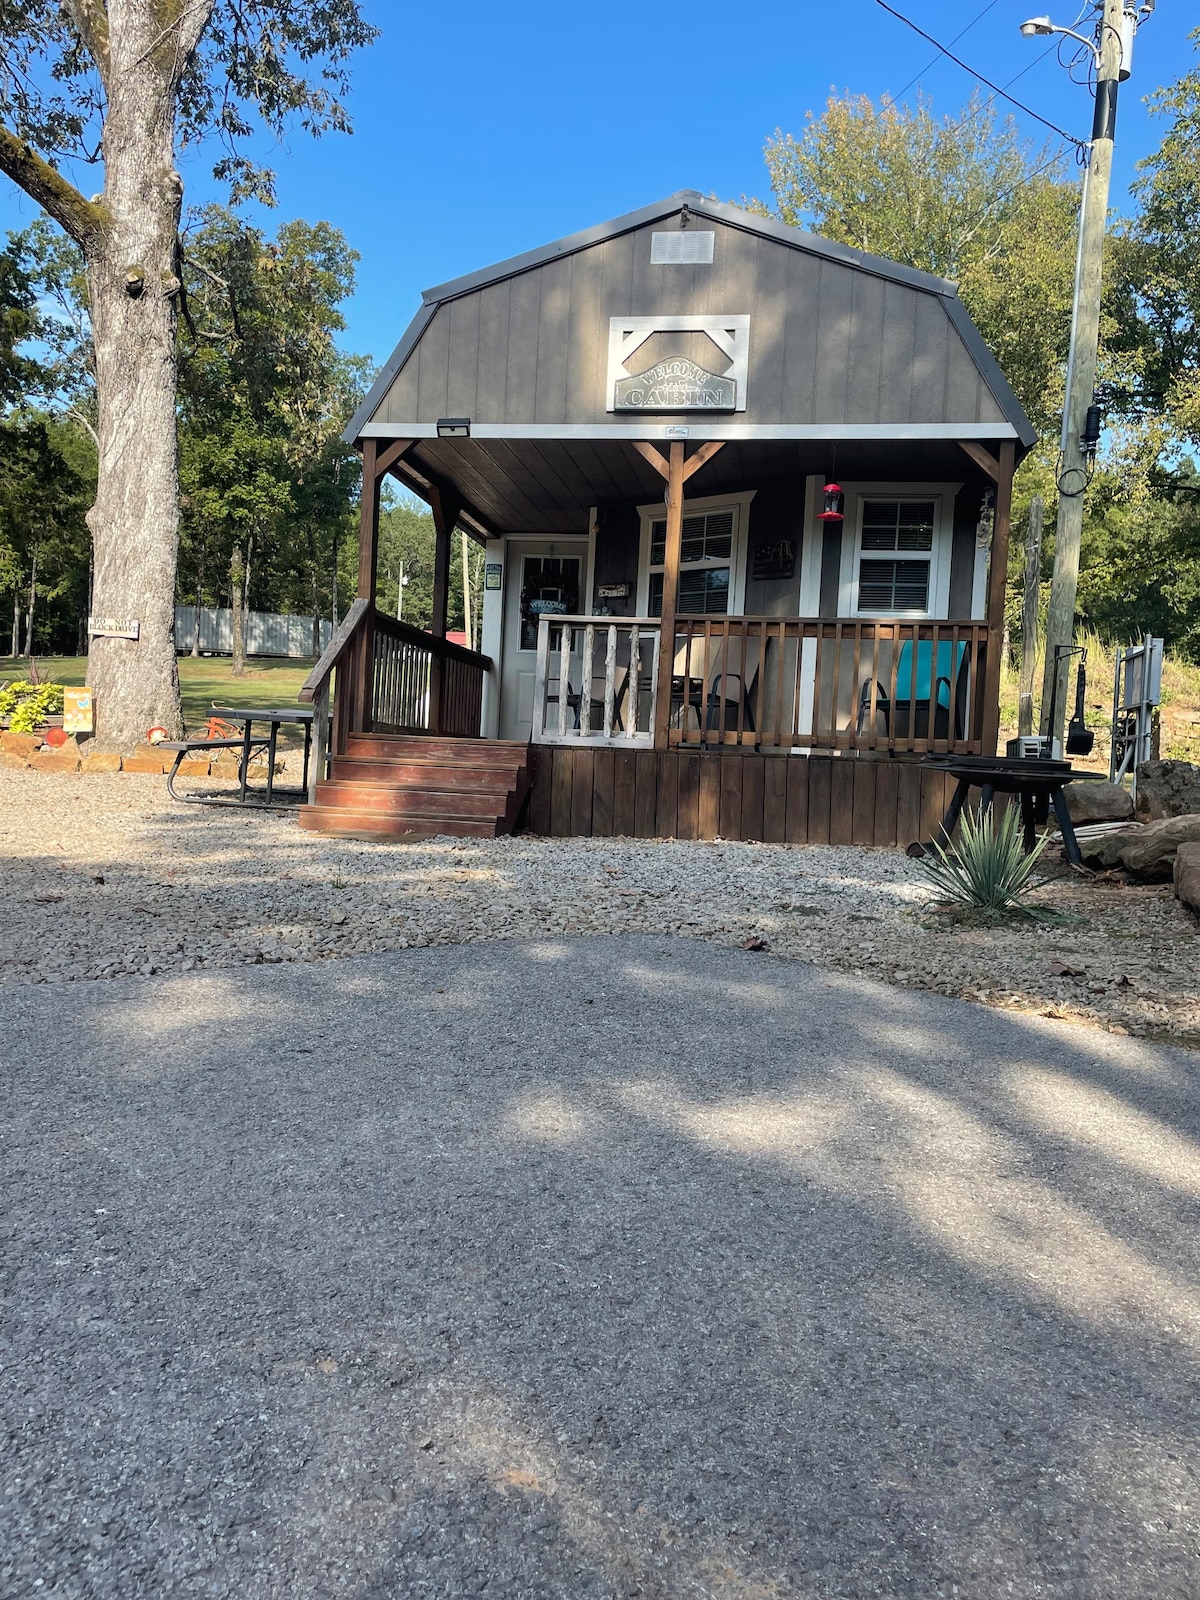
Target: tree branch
[
  {"x": 91, "y": 23},
  {"x": 84, "y": 220}
]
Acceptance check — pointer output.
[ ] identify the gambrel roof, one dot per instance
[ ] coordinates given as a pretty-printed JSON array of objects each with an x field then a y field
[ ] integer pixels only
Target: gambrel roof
[{"x": 841, "y": 344}]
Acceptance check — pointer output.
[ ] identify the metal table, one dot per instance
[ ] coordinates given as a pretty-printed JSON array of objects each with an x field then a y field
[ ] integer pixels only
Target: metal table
[
  {"x": 275, "y": 718},
  {"x": 1039, "y": 784}
]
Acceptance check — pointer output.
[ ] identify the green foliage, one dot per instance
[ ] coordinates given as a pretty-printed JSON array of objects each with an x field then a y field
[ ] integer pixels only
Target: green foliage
[
  {"x": 47, "y": 482},
  {"x": 988, "y": 869},
  {"x": 961, "y": 197},
  {"x": 18, "y": 318},
  {"x": 26, "y": 705},
  {"x": 264, "y": 394},
  {"x": 267, "y": 61}
]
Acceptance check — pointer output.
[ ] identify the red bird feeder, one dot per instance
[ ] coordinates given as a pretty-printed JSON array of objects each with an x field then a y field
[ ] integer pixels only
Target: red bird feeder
[{"x": 833, "y": 504}]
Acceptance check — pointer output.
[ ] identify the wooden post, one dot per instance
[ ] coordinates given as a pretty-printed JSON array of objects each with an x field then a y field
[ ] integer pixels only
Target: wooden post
[
  {"x": 445, "y": 514},
  {"x": 368, "y": 531},
  {"x": 997, "y": 584},
  {"x": 670, "y": 593},
  {"x": 1029, "y": 614}
]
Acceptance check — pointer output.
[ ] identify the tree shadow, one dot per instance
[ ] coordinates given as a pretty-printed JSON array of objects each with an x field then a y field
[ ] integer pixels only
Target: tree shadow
[{"x": 614, "y": 1267}]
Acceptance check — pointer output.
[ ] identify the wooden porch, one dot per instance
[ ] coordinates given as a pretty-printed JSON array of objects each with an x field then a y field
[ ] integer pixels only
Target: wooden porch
[{"x": 732, "y": 794}]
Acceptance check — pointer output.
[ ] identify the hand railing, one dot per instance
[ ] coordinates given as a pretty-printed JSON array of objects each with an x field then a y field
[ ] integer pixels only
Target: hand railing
[
  {"x": 786, "y": 683},
  {"x": 596, "y": 681},
  {"x": 391, "y": 678}
]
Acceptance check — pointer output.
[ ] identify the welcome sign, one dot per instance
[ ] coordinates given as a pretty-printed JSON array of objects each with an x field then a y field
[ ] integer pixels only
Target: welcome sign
[{"x": 677, "y": 383}]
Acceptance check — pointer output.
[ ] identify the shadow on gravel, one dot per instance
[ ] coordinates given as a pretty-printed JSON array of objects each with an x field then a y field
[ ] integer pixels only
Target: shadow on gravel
[{"x": 592, "y": 1267}]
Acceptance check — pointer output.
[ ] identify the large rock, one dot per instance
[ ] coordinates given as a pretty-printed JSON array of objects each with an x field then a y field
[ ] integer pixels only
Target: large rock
[
  {"x": 1187, "y": 875},
  {"x": 1150, "y": 853},
  {"x": 20, "y": 744},
  {"x": 1167, "y": 789},
  {"x": 1098, "y": 802},
  {"x": 1105, "y": 850}
]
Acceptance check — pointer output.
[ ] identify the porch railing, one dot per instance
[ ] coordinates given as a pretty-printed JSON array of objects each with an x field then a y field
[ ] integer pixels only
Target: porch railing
[
  {"x": 772, "y": 683},
  {"x": 596, "y": 681},
  {"x": 391, "y": 678}
]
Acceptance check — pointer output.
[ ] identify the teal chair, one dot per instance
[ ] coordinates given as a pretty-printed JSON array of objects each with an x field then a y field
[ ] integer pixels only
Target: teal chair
[{"x": 940, "y": 697}]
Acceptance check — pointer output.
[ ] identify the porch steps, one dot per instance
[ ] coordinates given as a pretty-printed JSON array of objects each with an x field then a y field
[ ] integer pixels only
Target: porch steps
[{"x": 390, "y": 786}]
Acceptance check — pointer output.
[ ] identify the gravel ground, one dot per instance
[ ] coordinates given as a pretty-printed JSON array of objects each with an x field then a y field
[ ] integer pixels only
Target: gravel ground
[
  {"x": 105, "y": 878},
  {"x": 397, "y": 1278}
]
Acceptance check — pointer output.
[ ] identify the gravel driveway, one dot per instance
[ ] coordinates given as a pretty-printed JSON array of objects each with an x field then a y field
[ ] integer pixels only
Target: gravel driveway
[
  {"x": 104, "y": 877},
  {"x": 591, "y": 1267}
]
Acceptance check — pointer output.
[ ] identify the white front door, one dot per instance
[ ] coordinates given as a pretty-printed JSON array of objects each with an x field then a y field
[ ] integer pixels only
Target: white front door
[{"x": 544, "y": 569}]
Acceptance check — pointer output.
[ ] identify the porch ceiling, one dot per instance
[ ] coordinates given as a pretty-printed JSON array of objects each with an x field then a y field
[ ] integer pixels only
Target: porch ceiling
[{"x": 518, "y": 486}]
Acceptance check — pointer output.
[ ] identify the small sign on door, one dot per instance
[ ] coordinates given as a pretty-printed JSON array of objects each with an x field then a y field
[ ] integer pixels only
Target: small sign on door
[{"x": 493, "y": 575}]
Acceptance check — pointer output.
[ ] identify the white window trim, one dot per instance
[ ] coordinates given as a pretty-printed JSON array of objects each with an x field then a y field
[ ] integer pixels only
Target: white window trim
[
  {"x": 943, "y": 496},
  {"x": 739, "y": 504}
]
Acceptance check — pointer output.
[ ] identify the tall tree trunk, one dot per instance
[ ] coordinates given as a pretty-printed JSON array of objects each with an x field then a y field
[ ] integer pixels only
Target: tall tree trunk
[
  {"x": 131, "y": 291},
  {"x": 32, "y": 605},
  {"x": 237, "y": 595},
  {"x": 16, "y": 627}
]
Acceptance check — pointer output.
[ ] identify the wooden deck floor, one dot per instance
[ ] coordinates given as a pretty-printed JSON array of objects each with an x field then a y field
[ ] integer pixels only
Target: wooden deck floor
[{"x": 649, "y": 794}]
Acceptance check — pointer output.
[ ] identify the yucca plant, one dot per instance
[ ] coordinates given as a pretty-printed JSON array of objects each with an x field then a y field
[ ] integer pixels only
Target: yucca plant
[{"x": 987, "y": 867}]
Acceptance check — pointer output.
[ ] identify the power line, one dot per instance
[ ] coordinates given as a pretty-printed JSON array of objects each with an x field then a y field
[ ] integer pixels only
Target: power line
[
  {"x": 990, "y": 5},
  {"x": 987, "y": 82}
]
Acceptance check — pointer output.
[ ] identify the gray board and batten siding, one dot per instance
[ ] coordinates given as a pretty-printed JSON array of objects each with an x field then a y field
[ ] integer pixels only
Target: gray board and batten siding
[{"x": 841, "y": 344}]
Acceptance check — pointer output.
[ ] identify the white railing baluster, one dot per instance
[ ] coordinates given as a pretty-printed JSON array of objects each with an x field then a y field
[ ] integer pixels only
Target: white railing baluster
[
  {"x": 635, "y": 681},
  {"x": 585, "y": 682},
  {"x": 610, "y": 680},
  {"x": 564, "y": 677}
]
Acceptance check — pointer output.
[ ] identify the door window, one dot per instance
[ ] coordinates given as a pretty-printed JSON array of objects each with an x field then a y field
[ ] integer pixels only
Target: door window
[{"x": 550, "y": 587}]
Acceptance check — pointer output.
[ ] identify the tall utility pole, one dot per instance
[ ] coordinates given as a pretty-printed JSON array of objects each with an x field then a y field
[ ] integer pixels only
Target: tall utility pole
[{"x": 1116, "y": 28}]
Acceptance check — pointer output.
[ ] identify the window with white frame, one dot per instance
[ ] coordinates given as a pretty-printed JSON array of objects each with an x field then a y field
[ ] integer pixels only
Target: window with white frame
[
  {"x": 897, "y": 554},
  {"x": 705, "y": 564}
]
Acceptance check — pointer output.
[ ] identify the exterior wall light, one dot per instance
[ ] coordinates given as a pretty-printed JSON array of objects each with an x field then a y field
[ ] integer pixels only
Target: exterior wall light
[
  {"x": 833, "y": 504},
  {"x": 454, "y": 427}
]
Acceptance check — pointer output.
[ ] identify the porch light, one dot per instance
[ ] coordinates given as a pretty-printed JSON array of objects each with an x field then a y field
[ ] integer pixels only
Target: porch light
[
  {"x": 833, "y": 504},
  {"x": 454, "y": 427}
]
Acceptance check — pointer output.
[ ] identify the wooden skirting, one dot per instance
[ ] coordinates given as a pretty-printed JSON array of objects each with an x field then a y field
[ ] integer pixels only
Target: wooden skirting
[{"x": 648, "y": 794}]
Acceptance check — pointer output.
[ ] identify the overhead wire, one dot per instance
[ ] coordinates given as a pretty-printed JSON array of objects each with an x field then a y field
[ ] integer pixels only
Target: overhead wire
[
  {"x": 1079, "y": 144},
  {"x": 989, "y": 7}
]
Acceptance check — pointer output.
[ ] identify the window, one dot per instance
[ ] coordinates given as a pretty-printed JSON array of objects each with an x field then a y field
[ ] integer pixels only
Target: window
[
  {"x": 550, "y": 586},
  {"x": 899, "y": 582},
  {"x": 705, "y": 557}
]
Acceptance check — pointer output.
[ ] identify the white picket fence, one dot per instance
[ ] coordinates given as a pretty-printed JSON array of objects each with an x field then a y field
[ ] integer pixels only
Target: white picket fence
[{"x": 268, "y": 633}]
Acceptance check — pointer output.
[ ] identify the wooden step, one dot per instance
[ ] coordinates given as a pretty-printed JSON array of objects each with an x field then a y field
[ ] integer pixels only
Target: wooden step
[
  {"x": 393, "y": 786},
  {"x": 378, "y": 825},
  {"x": 426, "y": 774},
  {"x": 422, "y": 747},
  {"x": 427, "y": 801}
]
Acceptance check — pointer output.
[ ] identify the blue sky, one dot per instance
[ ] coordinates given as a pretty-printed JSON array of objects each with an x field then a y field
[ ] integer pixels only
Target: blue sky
[{"x": 485, "y": 130}]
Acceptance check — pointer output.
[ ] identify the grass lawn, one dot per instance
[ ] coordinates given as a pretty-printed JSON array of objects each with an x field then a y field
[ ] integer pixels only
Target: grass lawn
[{"x": 268, "y": 682}]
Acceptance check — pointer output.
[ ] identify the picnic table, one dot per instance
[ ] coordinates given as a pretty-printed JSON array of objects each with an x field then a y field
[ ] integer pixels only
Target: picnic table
[{"x": 250, "y": 745}]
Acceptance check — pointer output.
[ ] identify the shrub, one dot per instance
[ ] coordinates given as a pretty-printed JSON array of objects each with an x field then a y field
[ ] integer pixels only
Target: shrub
[
  {"x": 987, "y": 868},
  {"x": 27, "y": 705}
]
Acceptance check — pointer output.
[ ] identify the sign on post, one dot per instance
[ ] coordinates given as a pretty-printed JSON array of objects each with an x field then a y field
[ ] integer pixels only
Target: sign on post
[{"x": 114, "y": 627}]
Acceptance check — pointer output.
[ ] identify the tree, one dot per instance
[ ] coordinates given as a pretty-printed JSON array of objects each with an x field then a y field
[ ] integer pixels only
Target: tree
[
  {"x": 960, "y": 197},
  {"x": 1154, "y": 296},
  {"x": 47, "y": 479},
  {"x": 264, "y": 391},
  {"x": 118, "y": 83},
  {"x": 18, "y": 318}
]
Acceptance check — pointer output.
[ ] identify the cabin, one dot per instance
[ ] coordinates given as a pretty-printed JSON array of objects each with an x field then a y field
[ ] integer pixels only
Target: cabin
[{"x": 744, "y": 496}]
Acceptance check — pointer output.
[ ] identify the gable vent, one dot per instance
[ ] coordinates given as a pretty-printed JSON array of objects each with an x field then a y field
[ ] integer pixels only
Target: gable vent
[{"x": 681, "y": 249}]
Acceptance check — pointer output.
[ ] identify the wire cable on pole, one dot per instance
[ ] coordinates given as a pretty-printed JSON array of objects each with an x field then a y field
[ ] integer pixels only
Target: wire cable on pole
[
  {"x": 1080, "y": 144},
  {"x": 989, "y": 7}
]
